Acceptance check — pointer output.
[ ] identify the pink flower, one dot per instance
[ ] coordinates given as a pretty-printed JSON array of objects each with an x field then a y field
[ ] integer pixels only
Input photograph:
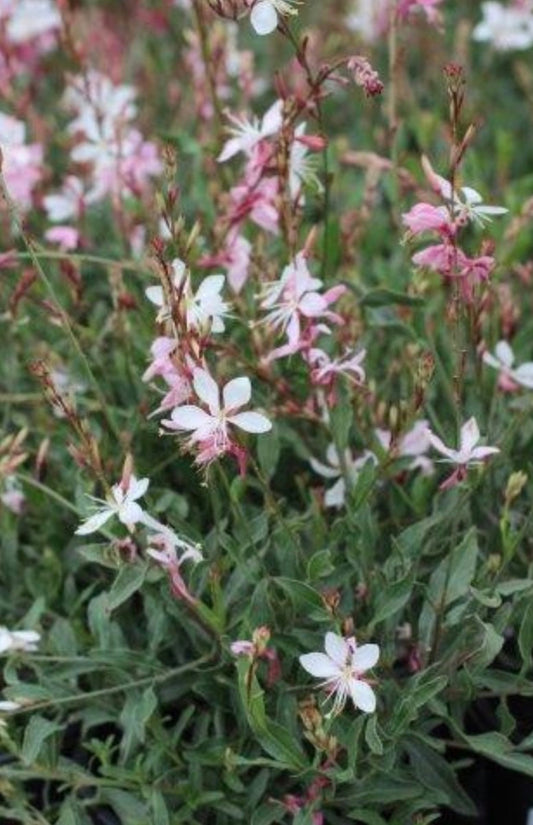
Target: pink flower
[
  {"x": 326, "y": 369},
  {"x": 415, "y": 443},
  {"x": 164, "y": 552},
  {"x": 21, "y": 162},
  {"x": 423, "y": 217},
  {"x": 67, "y": 237},
  {"x": 467, "y": 454},
  {"x": 342, "y": 667}
]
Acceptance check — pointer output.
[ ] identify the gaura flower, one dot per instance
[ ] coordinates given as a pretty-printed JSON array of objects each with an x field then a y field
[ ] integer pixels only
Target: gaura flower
[
  {"x": 467, "y": 454},
  {"x": 506, "y": 27},
  {"x": 123, "y": 505},
  {"x": 248, "y": 133},
  {"x": 204, "y": 308},
  {"x": 336, "y": 495},
  {"x": 341, "y": 668},
  {"x": 264, "y": 16},
  {"x": 210, "y": 430},
  {"x": 510, "y": 377}
]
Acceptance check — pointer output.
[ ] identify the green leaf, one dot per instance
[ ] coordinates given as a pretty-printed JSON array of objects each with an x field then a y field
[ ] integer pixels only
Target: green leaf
[
  {"x": 273, "y": 738},
  {"x": 372, "y": 738},
  {"x": 513, "y": 586},
  {"x": 130, "y": 579},
  {"x": 37, "y": 732},
  {"x": 268, "y": 452},
  {"x": 341, "y": 421},
  {"x": 320, "y": 565},
  {"x": 437, "y": 775},
  {"x": 385, "y": 297},
  {"x": 497, "y": 747},
  {"x": 392, "y": 598},
  {"x": 366, "y": 817},
  {"x": 449, "y": 582},
  {"x": 525, "y": 636},
  {"x": 268, "y": 813}
]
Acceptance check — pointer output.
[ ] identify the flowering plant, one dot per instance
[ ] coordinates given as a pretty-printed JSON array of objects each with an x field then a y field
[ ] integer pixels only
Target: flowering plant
[{"x": 265, "y": 460}]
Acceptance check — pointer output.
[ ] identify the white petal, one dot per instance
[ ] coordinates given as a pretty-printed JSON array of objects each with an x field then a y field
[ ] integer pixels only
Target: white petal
[
  {"x": 264, "y": 17},
  {"x": 206, "y": 389},
  {"x": 491, "y": 210},
  {"x": 130, "y": 513},
  {"x": 155, "y": 295},
  {"x": 323, "y": 470},
  {"x": 469, "y": 436},
  {"x": 365, "y": 657},
  {"x": 336, "y": 495},
  {"x": 363, "y": 696},
  {"x": 319, "y": 665},
  {"x": 504, "y": 353},
  {"x": 272, "y": 121},
  {"x": 137, "y": 487},
  {"x": 251, "y": 422},
  {"x": 337, "y": 649},
  {"x": 211, "y": 285},
  {"x": 524, "y": 375},
  {"x": 237, "y": 393},
  {"x": 92, "y": 524},
  {"x": 190, "y": 417},
  {"x": 471, "y": 195}
]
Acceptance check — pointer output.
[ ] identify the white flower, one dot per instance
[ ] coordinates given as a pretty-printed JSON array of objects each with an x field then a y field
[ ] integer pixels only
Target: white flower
[
  {"x": 302, "y": 167},
  {"x": 68, "y": 203},
  {"x": 472, "y": 207},
  {"x": 503, "y": 360},
  {"x": 467, "y": 453},
  {"x": 26, "y": 640},
  {"x": 213, "y": 425},
  {"x": 123, "y": 505},
  {"x": 248, "y": 133},
  {"x": 204, "y": 309},
  {"x": 341, "y": 668},
  {"x": 414, "y": 443},
  {"x": 505, "y": 27},
  {"x": 31, "y": 18},
  {"x": 335, "y": 496},
  {"x": 264, "y": 16}
]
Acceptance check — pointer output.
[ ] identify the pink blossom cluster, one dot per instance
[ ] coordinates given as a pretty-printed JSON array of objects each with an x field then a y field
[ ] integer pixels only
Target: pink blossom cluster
[
  {"x": 22, "y": 162},
  {"x": 457, "y": 210},
  {"x": 109, "y": 156}
]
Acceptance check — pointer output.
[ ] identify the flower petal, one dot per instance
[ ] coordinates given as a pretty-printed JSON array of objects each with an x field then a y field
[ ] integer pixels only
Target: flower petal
[
  {"x": 206, "y": 388},
  {"x": 469, "y": 436},
  {"x": 365, "y": 657},
  {"x": 337, "y": 648},
  {"x": 92, "y": 524},
  {"x": 189, "y": 417},
  {"x": 363, "y": 696},
  {"x": 237, "y": 393},
  {"x": 524, "y": 375},
  {"x": 251, "y": 422},
  {"x": 319, "y": 665},
  {"x": 264, "y": 17},
  {"x": 137, "y": 487},
  {"x": 504, "y": 353}
]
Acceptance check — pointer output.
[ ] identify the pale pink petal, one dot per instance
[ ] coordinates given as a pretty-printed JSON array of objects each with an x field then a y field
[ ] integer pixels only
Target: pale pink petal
[
  {"x": 363, "y": 696},
  {"x": 491, "y": 361},
  {"x": 319, "y": 665},
  {"x": 190, "y": 417},
  {"x": 323, "y": 470},
  {"x": 312, "y": 305},
  {"x": 155, "y": 295},
  {"x": 337, "y": 649},
  {"x": 237, "y": 393},
  {"x": 251, "y": 422},
  {"x": 365, "y": 657},
  {"x": 336, "y": 495},
  {"x": 480, "y": 453},
  {"x": 206, "y": 389},
  {"x": 211, "y": 285},
  {"x": 469, "y": 436},
  {"x": 272, "y": 120},
  {"x": 439, "y": 445}
]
